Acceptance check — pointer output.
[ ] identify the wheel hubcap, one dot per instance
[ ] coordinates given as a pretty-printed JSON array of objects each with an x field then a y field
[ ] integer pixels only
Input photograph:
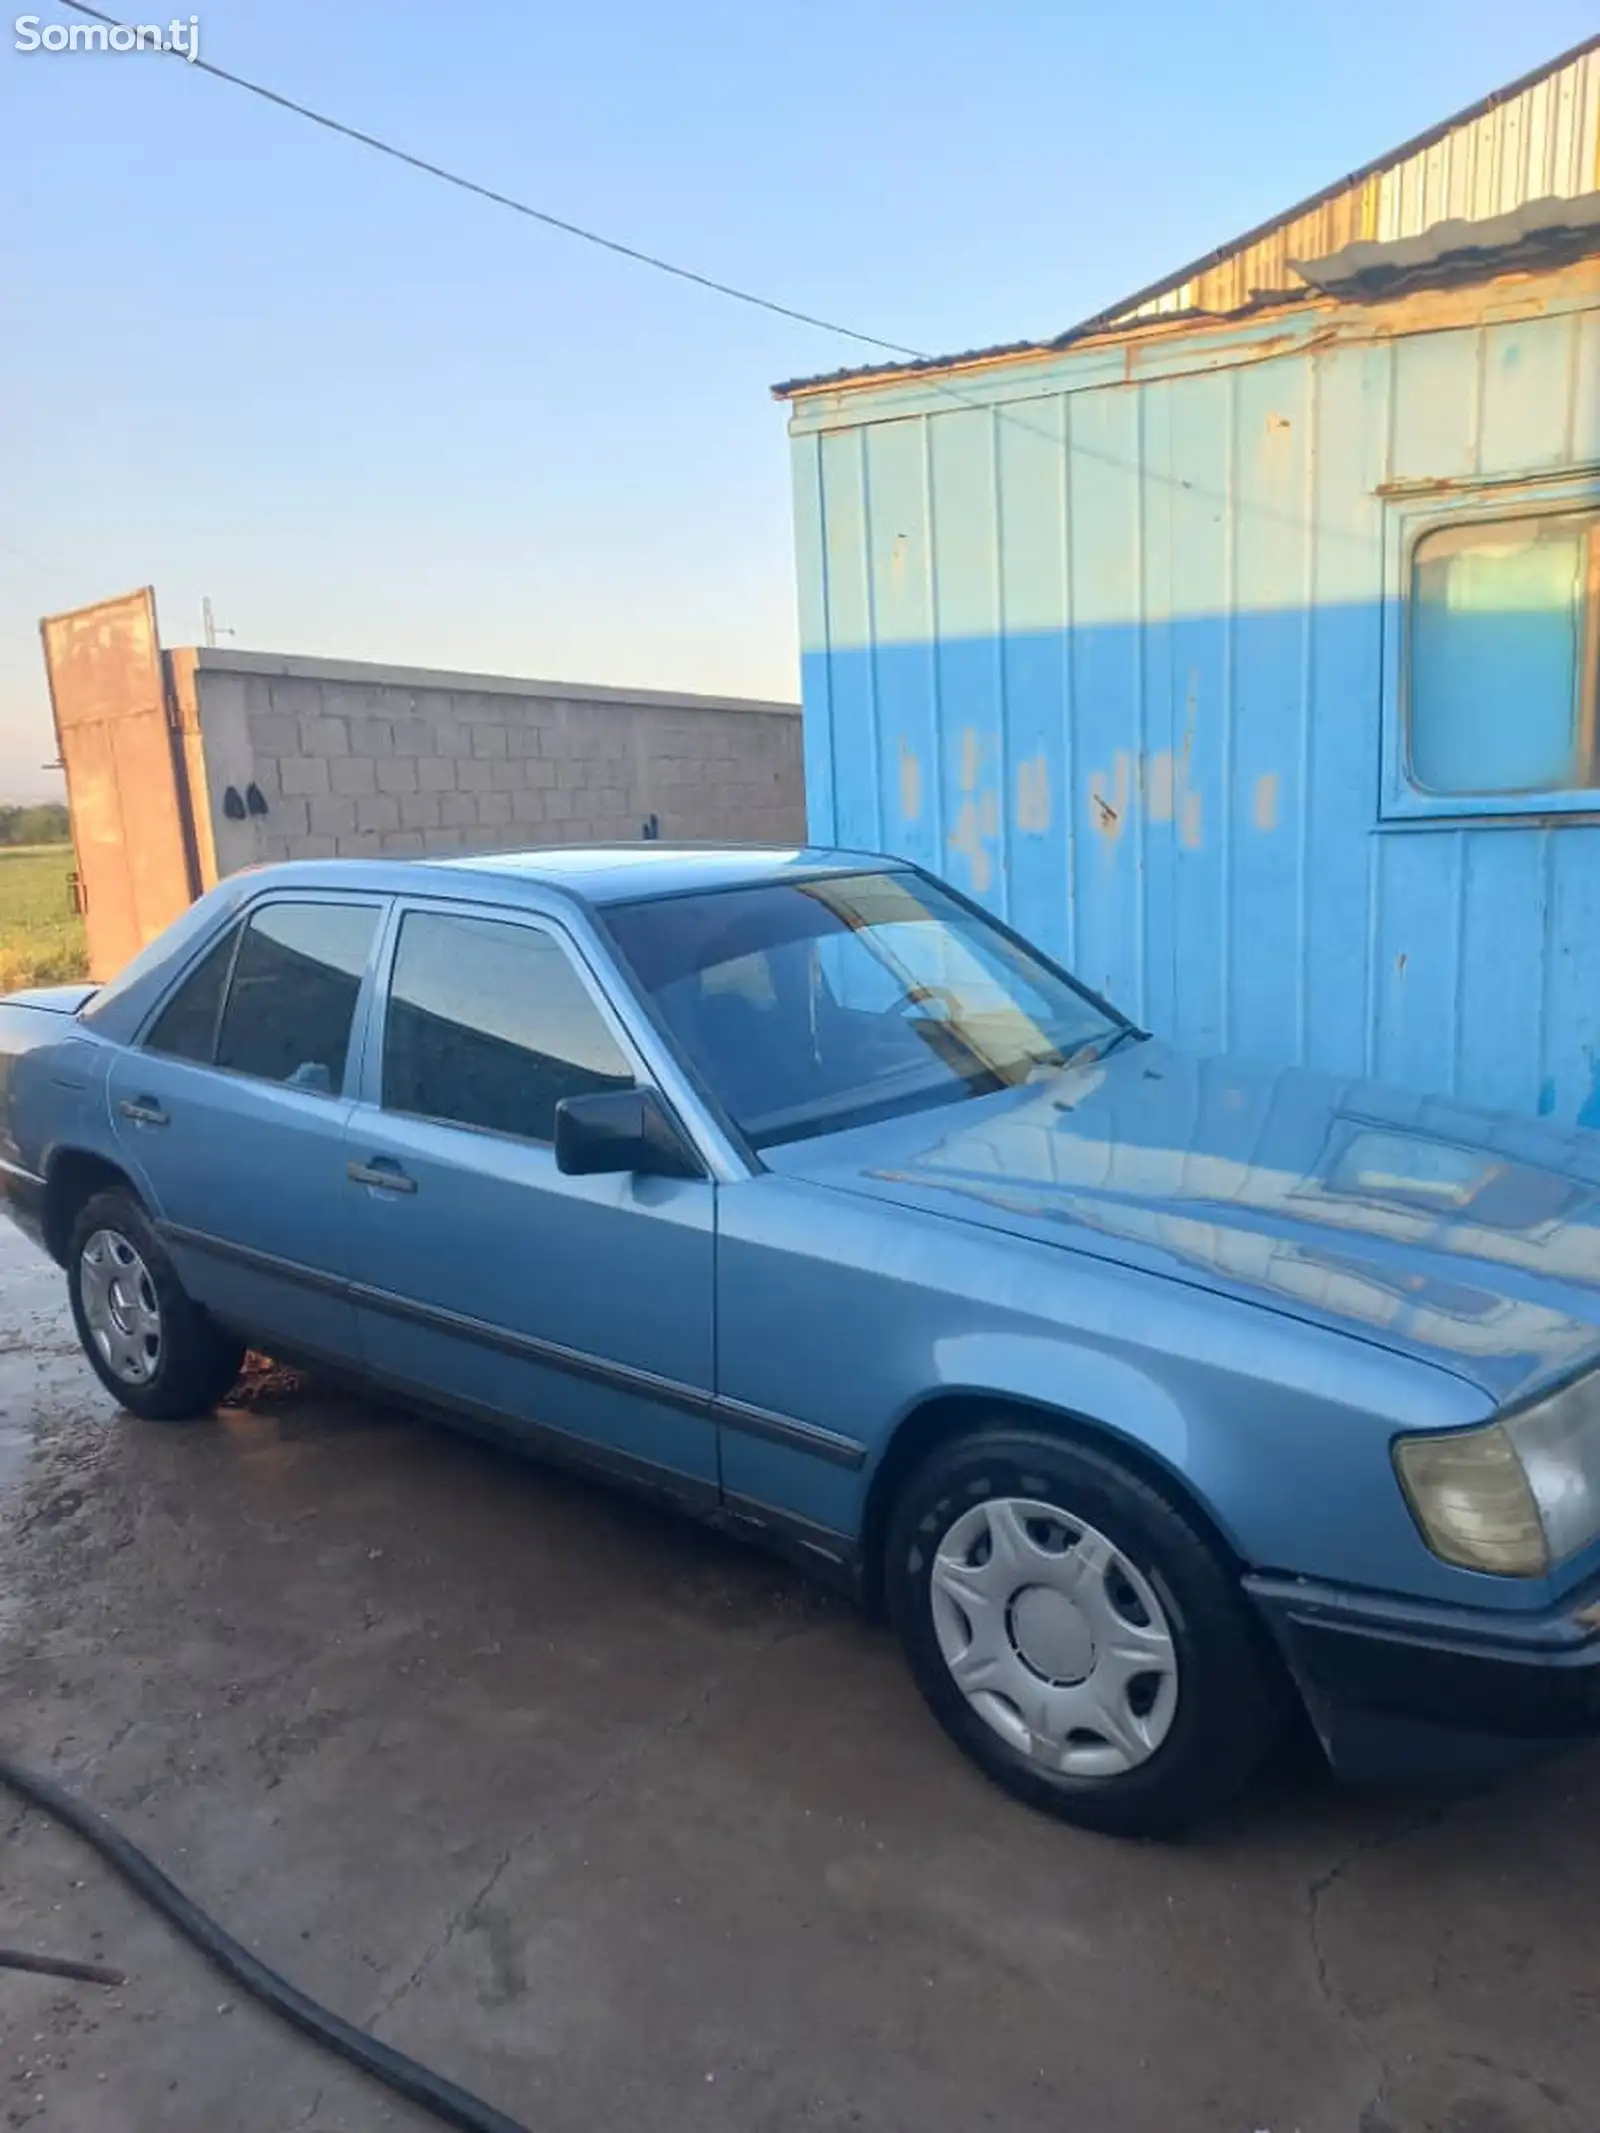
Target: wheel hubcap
[
  {"x": 1055, "y": 1639},
  {"x": 120, "y": 1307},
  {"x": 1051, "y": 1635}
]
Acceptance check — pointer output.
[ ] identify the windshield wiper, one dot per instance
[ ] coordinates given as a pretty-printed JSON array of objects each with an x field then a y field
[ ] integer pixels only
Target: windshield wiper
[
  {"x": 1127, "y": 1034},
  {"x": 1094, "y": 1049}
]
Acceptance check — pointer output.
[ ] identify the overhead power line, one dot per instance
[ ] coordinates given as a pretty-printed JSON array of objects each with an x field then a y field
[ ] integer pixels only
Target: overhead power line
[
  {"x": 1006, "y": 416},
  {"x": 517, "y": 207}
]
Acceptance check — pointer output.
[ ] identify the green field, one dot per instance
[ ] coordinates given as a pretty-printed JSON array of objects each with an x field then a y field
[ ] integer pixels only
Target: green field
[{"x": 41, "y": 936}]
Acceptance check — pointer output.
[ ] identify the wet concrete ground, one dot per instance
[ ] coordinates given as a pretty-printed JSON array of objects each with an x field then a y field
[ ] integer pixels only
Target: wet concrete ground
[{"x": 625, "y": 1827}]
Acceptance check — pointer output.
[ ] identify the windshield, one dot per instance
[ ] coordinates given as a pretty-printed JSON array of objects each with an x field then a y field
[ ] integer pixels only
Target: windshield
[{"x": 810, "y": 1006}]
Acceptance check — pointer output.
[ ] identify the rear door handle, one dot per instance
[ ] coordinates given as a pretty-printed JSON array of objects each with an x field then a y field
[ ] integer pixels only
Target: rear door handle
[
  {"x": 388, "y": 1177},
  {"x": 143, "y": 1111}
]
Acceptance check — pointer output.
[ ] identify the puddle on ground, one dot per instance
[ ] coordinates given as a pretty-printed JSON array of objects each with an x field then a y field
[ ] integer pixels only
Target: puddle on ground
[{"x": 40, "y": 1367}]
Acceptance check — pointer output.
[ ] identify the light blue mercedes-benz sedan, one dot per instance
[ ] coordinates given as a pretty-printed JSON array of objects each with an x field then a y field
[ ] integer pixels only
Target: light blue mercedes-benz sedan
[{"x": 1150, "y": 1394}]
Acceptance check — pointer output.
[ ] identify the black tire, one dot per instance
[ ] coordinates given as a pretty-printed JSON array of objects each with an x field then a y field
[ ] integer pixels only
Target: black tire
[
  {"x": 195, "y": 1364},
  {"x": 1228, "y": 1700}
]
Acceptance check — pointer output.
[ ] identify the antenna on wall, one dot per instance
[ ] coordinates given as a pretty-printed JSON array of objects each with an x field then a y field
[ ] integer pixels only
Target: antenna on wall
[{"x": 209, "y": 619}]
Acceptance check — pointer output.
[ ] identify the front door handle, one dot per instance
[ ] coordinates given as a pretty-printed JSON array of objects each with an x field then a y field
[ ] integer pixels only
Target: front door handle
[
  {"x": 387, "y": 1176},
  {"x": 143, "y": 1111}
]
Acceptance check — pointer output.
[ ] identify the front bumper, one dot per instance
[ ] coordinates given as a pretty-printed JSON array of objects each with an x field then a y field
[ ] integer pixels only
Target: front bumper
[{"x": 1402, "y": 1690}]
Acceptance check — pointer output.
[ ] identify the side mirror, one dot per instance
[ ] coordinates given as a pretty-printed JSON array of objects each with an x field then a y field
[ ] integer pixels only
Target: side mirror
[{"x": 621, "y": 1130}]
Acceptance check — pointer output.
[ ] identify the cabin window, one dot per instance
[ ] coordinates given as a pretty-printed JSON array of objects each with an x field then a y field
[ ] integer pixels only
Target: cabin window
[{"x": 1504, "y": 657}]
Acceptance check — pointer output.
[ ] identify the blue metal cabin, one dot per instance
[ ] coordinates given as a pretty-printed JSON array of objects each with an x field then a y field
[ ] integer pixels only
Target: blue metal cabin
[{"x": 1242, "y": 646}]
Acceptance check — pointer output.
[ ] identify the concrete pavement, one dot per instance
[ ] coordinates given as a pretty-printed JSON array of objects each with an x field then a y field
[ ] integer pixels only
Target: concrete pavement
[{"x": 624, "y": 1826}]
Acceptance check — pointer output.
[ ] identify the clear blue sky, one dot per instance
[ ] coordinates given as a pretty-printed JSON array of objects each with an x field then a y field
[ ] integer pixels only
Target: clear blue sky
[{"x": 373, "y": 418}]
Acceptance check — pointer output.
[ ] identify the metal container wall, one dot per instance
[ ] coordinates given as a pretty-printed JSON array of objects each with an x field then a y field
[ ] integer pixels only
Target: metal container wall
[{"x": 1109, "y": 638}]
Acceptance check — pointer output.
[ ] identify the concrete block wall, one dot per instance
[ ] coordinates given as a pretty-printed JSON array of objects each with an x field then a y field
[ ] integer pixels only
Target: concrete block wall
[{"x": 360, "y": 760}]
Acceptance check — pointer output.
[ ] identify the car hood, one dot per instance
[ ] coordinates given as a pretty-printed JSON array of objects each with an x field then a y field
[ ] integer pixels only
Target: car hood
[{"x": 1464, "y": 1237}]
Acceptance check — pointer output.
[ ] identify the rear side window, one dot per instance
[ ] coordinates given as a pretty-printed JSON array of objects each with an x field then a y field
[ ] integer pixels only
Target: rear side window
[
  {"x": 292, "y": 1003},
  {"x": 186, "y": 1027},
  {"x": 489, "y": 1025}
]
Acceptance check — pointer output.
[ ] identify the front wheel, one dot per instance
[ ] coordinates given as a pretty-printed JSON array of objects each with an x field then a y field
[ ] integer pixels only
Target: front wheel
[
  {"x": 1075, "y": 1634},
  {"x": 151, "y": 1346}
]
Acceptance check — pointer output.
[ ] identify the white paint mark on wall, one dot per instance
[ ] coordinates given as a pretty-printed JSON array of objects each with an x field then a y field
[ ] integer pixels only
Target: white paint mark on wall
[
  {"x": 1159, "y": 783},
  {"x": 977, "y": 826},
  {"x": 971, "y": 758},
  {"x": 978, "y": 820},
  {"x": 1158, "y": 786},
  {"x": 910, "y": 782},
  {"x": 1033, "y": 795}
]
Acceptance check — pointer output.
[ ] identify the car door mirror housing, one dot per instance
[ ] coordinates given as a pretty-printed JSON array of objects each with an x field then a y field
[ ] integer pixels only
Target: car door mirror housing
[{"x": 613, "y": 1130}]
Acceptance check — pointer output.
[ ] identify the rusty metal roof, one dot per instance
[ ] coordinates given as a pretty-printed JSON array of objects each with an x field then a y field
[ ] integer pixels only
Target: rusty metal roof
[
  {"x": 1544, "y": 232},
  {"x": 1535, "y": 139},
  {"x": 908, "y": 366}
]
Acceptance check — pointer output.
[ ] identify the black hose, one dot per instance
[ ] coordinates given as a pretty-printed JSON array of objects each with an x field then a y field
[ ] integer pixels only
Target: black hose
[
  {"x": 407, "y": 2077},
  {"x": 59, "y": 1966}
]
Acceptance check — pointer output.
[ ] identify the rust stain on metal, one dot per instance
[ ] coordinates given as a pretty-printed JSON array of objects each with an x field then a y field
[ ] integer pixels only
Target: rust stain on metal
[
  {"x": 1513, "y": 300},
  {"x": 1509, "y": 486},
  {"x": 1264, "y": 803},
  {"x": 1151, "y": 344},
  {"x": 1145, "y": 338},
  {"x": 1189, "y": 828},
  {"x": 182, "y": 667},
  {"x": 119, "y": 737},
  {"x": 1108, "y": 800}
]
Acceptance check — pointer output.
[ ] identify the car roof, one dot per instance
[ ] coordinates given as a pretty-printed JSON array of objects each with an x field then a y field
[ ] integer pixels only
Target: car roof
[{"x": 593, "y": 874}]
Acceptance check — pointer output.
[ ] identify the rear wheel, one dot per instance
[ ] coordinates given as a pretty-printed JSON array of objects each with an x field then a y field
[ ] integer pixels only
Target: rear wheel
[
  {"x": 1075, "y": 1634},
  {"x": 148, "y": 1342}
]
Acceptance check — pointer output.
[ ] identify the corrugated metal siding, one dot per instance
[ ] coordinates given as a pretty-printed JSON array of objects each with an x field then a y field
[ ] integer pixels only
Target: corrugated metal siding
[
  {"x": 1541, "y": 144},
  {"x": 1112, "y": 657}
]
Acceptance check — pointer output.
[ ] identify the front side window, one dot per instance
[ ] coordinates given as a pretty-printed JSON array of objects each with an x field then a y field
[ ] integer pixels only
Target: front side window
[
  {"x": 807, "y": 1007},
  {"x": 1505, "y": 656},
  {"x": 292, "y": 1002},
  {"x": 489, "y": 1025}
]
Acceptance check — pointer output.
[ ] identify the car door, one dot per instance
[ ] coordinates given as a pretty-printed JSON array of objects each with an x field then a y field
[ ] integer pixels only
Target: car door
[
  {"x": 229, "y": 1113},
  {"x": 574, "y": 1308}
]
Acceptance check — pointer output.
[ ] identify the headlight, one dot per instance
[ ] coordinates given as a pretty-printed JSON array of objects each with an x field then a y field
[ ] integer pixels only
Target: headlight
[{"x": 1517, "y": 1495}]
